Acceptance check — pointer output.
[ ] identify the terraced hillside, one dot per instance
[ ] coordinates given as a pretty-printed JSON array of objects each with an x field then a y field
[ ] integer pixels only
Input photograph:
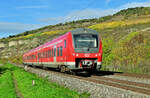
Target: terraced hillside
[{"x": 125, "y": 36}]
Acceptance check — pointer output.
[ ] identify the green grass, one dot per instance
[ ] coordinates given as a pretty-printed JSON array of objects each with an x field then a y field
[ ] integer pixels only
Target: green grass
[
  {"x": 42, "y": 88},
  {"x": 7, "y": 89}
]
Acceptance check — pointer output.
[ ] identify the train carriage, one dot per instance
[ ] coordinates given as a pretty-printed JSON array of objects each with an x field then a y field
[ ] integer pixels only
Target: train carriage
[{"x": 77, "y": 50}]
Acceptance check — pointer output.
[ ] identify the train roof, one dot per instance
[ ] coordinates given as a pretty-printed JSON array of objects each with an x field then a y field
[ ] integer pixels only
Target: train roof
[
  {"x": 45, "y": 44},
  {"x": 75, "y": 31},
  {"x": 84, "y": 30}
]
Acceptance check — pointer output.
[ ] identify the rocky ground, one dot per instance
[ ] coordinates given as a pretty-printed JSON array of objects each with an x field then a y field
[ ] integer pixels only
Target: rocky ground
[{"x": 82, "y": 84}]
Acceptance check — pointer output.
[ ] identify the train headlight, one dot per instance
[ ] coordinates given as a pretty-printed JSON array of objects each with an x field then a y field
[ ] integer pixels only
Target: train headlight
[
  {"x": 96, "y": 55},
  {"x": 73, "y": 54},
  {"x": 77, "y": 55}
]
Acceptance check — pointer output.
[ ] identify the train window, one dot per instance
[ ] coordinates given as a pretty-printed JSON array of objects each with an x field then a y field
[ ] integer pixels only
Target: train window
[
  {"x": 41, "y": 54},
  {"x": 85, "y": 41},
  {"x": 47, "y": 54},
  {"x": 44, "y": 54},
  {"x": 50, "y": 52},
  {"x": 57, "y": 51},
  {"x": 65, "y": 43},
  {"x": 61, "y": 50},
  {"x": 38, "y": 55},
  {"x": 54, "y": 52}
]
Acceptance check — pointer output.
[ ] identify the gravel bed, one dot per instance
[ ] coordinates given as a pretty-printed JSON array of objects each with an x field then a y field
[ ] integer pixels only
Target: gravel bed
[
  {"x": 133, "y": 79},
  {"x": 96, "y": 90}
]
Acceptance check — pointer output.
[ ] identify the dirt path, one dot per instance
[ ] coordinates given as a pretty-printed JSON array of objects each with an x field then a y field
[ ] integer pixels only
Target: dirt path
[{"x": 19, "y": 94}]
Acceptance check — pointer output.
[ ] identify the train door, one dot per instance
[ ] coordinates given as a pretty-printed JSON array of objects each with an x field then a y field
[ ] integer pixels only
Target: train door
[{"x": 55, "y": 54}]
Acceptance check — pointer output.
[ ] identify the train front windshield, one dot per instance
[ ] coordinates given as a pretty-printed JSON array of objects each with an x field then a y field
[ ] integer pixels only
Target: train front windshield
[{"x": 86, "y": 41}]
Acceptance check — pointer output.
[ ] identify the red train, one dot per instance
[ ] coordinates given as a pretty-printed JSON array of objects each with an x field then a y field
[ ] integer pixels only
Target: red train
[{"x": 78, "y": 50}]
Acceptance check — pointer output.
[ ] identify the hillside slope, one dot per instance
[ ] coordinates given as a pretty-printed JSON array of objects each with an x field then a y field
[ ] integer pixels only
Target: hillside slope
[{"x": 125, "y": 36}]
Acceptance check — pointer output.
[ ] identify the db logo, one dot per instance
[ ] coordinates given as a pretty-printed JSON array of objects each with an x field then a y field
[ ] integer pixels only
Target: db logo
[{"x": 86, "y": 55}]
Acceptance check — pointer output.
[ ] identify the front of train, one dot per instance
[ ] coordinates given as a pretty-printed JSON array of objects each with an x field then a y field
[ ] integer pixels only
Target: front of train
[{"x": 87, "y": 49}]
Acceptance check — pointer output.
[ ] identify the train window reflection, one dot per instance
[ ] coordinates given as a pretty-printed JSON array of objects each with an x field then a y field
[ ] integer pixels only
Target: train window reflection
[{"x": 82, "y": 41}]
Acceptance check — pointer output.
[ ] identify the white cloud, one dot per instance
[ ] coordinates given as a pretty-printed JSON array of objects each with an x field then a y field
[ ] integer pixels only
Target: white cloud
[
  {"x": 135, "y": 4},
  {"x": 91, "y": 13},
  {"x": 32, "y": 7},
  {"x": 53, "y": 20},
  {"x": 77, "y": 15},
  {"x": 15, "y": 28}
]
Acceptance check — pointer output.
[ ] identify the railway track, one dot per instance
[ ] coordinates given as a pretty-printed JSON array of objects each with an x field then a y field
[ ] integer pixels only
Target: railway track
[
  {"x": 103, "y": 73},
  {"x": 126, "y": 85},
  {"x": 118, "y": 83}
]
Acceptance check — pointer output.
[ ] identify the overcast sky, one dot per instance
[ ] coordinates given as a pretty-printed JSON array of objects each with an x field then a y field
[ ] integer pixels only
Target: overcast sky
[{"x": 17, "y": 16}]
